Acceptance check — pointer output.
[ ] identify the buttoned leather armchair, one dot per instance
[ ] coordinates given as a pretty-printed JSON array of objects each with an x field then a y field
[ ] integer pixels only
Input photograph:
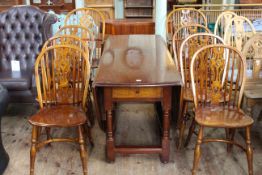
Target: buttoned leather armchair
[{"x": 23, "y": 31}]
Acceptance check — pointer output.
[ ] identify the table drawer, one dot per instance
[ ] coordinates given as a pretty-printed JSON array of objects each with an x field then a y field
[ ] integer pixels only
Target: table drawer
[{"x": 148, "y": 92}]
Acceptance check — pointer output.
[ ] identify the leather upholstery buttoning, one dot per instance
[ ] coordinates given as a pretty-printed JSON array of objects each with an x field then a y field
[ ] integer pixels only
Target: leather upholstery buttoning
[{"x": 23, "y": 30}]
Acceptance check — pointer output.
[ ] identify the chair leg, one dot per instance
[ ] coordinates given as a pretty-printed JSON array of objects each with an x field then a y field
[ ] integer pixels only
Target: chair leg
[
  {"x": 83, "y": 152},
  {"x": 88, "y": 133},
  {"x": 231, "y": 135},
  {"x": 90, "y": 110},
  {"x": 33, "y": 149},
  {"x": 190, "y": 132},
  {"x": 249, "y": 150},
  {"x": 39, "y": 130},
  {"x": 197, "y": 152},
  {"x": 48, "y": 134},
  {"x": 182, "y": 124}
]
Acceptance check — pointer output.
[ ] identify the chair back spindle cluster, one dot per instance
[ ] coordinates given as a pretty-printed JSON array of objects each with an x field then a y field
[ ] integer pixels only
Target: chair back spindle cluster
[{"x": 62, "y": 76}]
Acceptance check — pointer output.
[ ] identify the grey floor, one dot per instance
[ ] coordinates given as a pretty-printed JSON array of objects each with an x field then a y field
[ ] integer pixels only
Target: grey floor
[{"x": 136, "y": 124}]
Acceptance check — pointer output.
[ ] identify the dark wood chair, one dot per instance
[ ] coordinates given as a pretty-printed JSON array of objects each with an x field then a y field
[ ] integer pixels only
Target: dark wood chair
[
  {"x": 188, "y": 47},
  {"x": 86, "y": 46},
  {"x": 62, "y": 78},
  {"x": 217, "y": 100}
]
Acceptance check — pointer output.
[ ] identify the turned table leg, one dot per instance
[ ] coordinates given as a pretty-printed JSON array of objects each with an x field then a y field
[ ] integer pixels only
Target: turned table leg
[
  {"x": 110, "y": 142},
  {"x": 166, "y": 105},
  {"x": 165, "y": 138}
]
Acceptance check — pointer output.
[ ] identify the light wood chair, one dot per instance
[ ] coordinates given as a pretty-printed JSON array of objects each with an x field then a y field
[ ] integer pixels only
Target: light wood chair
[
  {"x": 85, "y": 34},
  {"x": 222, "y": 21},
  {"x": 188, "y": 47},
  {"x": 182, "y": 33},
  {"x": 92, "y": 19},
  {"x": 253, "y": 53},
  {"x": 180, "y": 17},
  {"x": 216, "y": 100},
  {"x": 62, "y": 76},
  {"x": 238, "y": 31}
]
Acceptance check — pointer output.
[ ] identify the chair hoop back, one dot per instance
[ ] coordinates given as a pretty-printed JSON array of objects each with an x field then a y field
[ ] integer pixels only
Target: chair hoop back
[
  {"x": 238, "y": 31},
  {"x": 183, "y": 16},
  {"x": 222, "y": 21},
  {"x": 187, "y": 49},
  {"x": 91, "y": 18},
  {"x": 62, "y": 76},
  {"x": 206, "y": 71},
  {"x": 183, "y": 32},
  {"x": 81, "y": 32}
]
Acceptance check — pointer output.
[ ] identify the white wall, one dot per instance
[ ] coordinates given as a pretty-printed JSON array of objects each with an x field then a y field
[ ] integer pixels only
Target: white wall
[
  {"x": 80, "y": 3},
  {"x": 119, "y": 9},
  {"x": 161, "y": 12}
]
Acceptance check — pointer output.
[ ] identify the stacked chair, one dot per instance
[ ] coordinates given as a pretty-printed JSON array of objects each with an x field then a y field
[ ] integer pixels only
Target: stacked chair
[
  {"x": 180, "y": 17},
  {"x": 213, "y": 71},
  {"x": 63, "y": 73}
]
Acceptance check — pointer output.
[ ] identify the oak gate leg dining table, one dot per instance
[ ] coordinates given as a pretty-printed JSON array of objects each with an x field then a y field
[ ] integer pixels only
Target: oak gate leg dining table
[{"x": 135, "y": 68}]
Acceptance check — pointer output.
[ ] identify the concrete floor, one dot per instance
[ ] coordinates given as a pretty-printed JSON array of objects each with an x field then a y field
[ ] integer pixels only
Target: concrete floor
[{"x": 137, "y": 125}]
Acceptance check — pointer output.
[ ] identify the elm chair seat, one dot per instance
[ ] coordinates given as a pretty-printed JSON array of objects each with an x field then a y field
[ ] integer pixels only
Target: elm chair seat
[
  {"x": 59, "y": 116},
  {"x": 4, "y": 158},
  {"x": 221, "y": 117},
  {"x": 23, "y": 31}
]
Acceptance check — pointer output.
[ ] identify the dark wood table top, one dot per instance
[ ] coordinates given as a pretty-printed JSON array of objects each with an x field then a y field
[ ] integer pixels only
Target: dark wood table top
[{"x": 136, "y": 61}]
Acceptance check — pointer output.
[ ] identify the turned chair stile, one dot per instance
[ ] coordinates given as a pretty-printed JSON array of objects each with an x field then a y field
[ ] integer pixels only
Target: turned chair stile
[
  {"x": 187, "y": 49},
  {"x": 216, "y": 100},
  {"x": 180, "y": 17},
  {"x": 62, "y": 80},
  {"x": 222, "y": 21},
  {"x": 182, "y": 33}
]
